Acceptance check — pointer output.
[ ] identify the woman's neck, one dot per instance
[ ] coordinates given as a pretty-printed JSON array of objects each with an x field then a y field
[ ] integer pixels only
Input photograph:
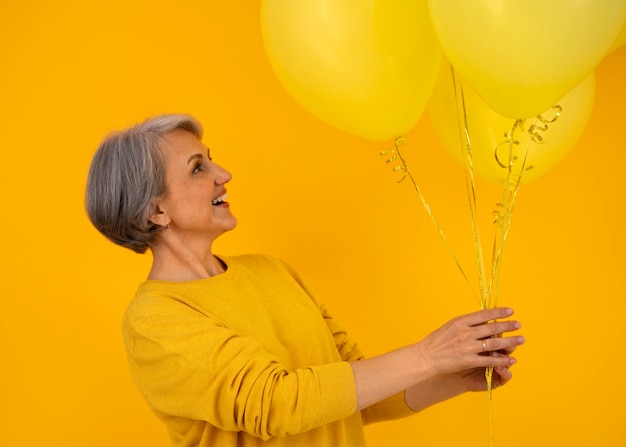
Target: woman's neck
[{"x": 180, "y": 263}]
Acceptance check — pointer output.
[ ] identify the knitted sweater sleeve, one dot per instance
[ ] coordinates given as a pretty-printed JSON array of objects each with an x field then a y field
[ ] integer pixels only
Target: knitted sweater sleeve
[
  {"x": 394, "y": 407},
  {"x": 192, "y": 366}
]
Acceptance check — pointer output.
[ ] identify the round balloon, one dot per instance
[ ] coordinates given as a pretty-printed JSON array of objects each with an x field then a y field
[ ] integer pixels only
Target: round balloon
[
  {"x": 620, "y": 40},
  {"x": 492, "y": 153},
  {"x": 522, "y": 56},
  {"x": 365, "y": 67}
]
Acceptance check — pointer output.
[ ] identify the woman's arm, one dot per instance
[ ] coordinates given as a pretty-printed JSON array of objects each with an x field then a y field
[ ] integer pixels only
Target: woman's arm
[
  {"x": 445, "y": 387},
  {"x": 442, "y": 365}
]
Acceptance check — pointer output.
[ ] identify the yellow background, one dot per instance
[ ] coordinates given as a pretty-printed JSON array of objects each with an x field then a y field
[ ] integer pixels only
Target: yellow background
[{"x": 321, "y": 199}]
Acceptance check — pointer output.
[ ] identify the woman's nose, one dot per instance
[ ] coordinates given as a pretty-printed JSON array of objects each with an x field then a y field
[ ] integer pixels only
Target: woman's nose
[{"x": 222, "y": 175}]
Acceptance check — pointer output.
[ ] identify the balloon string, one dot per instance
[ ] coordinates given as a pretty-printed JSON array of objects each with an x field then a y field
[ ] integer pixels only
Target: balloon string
[
  {"x": 504, "y": 211},
  {"x": 394, "y": 155},
  {"x": 488, "y": 294},
  {"x": 470, "y": 187},
  {"x": 502, "y": 219}
]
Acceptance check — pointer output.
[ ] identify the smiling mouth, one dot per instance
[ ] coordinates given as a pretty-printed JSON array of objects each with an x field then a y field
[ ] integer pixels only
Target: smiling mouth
[{"x": 219, "y": 200}]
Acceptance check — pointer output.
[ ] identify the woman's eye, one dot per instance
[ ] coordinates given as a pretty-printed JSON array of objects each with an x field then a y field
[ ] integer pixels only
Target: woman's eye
[{"x": 197, "y": 168}]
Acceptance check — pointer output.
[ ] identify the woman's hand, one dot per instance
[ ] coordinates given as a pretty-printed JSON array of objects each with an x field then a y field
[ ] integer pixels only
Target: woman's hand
[
  {"x": 462, "y": 344},
  {"x": 475, "y": 380},
  {"x": 440, "y": 388},
  {"x": 448, "y": 362}
]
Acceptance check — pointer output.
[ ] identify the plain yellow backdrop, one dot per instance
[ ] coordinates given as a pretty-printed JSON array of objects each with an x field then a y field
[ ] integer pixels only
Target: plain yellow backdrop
[{"x": 323, "y": 200}]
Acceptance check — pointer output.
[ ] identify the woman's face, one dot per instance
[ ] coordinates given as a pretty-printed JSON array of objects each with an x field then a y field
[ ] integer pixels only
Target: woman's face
[{"x": 195, "y": 192}]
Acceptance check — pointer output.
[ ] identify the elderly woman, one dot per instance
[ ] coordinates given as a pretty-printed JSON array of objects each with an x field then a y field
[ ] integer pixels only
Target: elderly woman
[{"x": 237, "y": 350}]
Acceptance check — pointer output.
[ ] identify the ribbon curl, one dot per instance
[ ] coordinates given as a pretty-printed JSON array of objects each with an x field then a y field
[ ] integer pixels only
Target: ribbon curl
[
  {"x": 395, "y": 156},
  {"x": 534, "y": 129},
  {"x": 506, "y": 156}
]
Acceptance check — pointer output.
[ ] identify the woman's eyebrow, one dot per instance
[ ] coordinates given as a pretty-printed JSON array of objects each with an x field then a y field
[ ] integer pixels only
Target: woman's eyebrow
[{"x": 193, "y": 157}]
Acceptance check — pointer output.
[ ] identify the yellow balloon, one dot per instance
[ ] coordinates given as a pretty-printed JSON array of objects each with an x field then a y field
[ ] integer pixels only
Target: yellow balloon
[
  {"x": 620, "y": 40},
  {"x": 522, "y": 56},
  {"x": 491, "y": 153},
  {"x": 365, "y": 67}
]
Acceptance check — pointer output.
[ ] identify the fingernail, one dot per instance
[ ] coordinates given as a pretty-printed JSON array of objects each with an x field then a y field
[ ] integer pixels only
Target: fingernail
[
  {"x": 512, "y": 361},
  {"x": 517, "y": 325},
  {"x": 520, "y": 340},
  {"x": 509, "y": 311}
]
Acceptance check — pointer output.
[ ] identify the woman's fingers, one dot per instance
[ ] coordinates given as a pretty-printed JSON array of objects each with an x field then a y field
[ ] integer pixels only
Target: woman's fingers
[
  {"x": 505, "y": 345},
  {"x": 463, "y": 342},
  {"x": 502, "y": 374},
  {"x": 507, "y": 351},
  {"x": 496, "y": 328},
  {"x": 489, "y": 332},
  {"x": 501, "y": 377},
  {"x": 486, "y": 315},
  {"x": 494, "y": 348}
]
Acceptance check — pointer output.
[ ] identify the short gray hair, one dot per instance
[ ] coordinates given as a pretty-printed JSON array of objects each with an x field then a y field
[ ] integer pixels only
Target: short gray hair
[{"x": 127, "y": 174}]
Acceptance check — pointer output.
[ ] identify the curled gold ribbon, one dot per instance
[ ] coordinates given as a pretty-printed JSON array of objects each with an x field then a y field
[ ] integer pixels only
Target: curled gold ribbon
[
  {"x": 509, "y": 142},
  {"x": 542, "y": 124},
  {"x": 466, "y": 145},
  {"x": 507, "y": 157},
  {"x": 504, "y": 209},
  {"x": 463, "y": 124},
  {"x": 395, "y": 156},
  {"x": 504, "y": 212}
]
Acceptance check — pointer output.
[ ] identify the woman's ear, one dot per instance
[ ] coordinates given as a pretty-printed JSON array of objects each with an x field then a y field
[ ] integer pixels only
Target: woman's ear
[{"x": 159, "y": 217}]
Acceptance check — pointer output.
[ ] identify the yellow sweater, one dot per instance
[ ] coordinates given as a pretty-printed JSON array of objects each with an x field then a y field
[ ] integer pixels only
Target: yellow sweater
[{"x": 246, "y": 358}]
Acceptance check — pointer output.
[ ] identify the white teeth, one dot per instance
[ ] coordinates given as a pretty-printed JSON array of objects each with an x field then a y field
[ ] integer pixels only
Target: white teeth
[{"x": 219, "y": 199}]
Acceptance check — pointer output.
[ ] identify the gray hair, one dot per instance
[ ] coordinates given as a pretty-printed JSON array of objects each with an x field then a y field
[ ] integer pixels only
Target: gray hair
[{"x": 127, "y": 174}]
